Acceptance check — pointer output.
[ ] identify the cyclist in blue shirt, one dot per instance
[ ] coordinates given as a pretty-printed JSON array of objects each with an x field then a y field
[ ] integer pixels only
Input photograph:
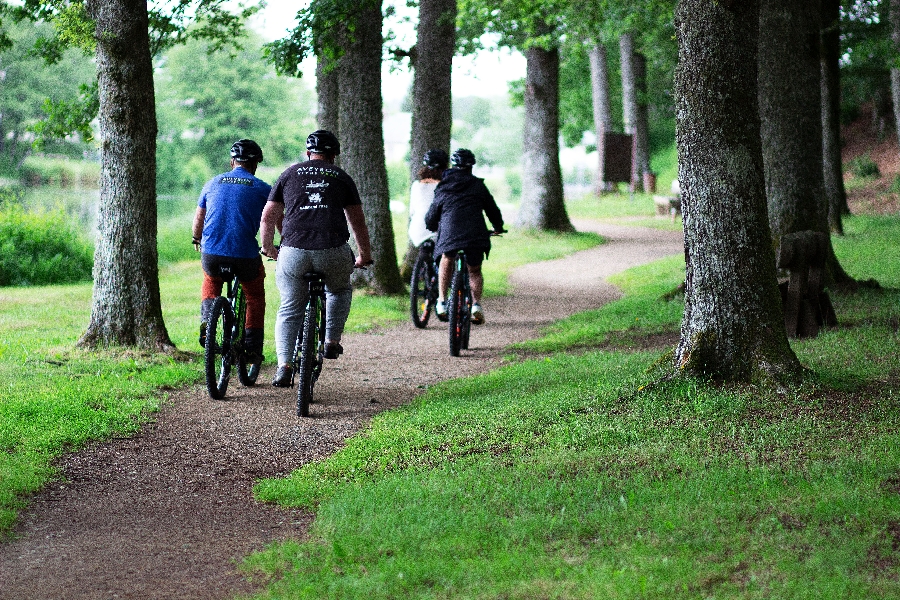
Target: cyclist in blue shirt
[{"x": 224, "y": 230}]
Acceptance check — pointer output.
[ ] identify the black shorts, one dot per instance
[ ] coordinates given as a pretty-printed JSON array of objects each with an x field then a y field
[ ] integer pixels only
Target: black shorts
[
  {"x": 474, "y": 256},
  {"x": 226, "y": 267}
]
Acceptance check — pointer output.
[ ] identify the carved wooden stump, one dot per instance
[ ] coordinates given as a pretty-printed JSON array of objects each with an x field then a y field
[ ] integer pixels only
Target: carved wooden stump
[{"x": 807, "y": 306}]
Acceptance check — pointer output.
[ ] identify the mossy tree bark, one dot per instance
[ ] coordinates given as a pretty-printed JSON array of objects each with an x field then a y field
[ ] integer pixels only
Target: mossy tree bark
[
  {"x": 790, "y": 99},
  {"x": 432, "y": 116},
  {"x": 126, "y": 308},
  {"x": 835, "y": 193},
  {"x": 733, "y": 328},
  {"x": 327, "y": 94},
  {"x": 542, "y": 206},
  {"x": 362, "y": 146}
]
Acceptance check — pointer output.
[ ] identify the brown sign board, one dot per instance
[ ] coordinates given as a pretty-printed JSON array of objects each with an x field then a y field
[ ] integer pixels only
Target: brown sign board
[{"x": 617, "y": 155}]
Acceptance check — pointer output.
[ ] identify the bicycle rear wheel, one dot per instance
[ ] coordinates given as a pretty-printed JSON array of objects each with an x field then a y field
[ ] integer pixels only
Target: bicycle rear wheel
[
  {"x": 311, "y": 355},
  {"x": 456, "y": 310},
  {"x": 218, "y": 359},
  {"x": 421, "y": 302}
]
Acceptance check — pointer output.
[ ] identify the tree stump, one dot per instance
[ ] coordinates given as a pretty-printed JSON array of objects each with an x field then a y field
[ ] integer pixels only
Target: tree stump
[{"x": 807, "y": 306}]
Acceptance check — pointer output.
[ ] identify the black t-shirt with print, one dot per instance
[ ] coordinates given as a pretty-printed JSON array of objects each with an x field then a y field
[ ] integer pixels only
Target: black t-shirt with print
[{"x": 314, "y": 194}]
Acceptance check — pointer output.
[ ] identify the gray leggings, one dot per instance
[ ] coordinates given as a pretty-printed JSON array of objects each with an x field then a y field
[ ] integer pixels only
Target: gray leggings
[{"x": 337, "y": 266}]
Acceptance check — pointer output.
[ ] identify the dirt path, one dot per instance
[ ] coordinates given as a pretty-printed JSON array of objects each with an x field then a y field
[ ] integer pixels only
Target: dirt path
[{"x": 167, "y": 514}]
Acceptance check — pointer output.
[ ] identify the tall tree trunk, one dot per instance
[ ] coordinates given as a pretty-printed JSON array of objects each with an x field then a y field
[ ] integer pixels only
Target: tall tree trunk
[
  {"x": 733, "y": 328},
  {"x": 328, "y": 94},
  {"x": 629, "y": 98},
  {"x": 126, "y": 307},
  {"x": 835, "y": 194},
  {"x": 641, "y": 118},
  {"x": 432, "y": 117},
  {"x": 894, "y": 18},
  {"x": 362, "y": 146},
  {"x": 542, "y": 206},
  {"x": 790, "y": 102},
  {"x": 602, "y": 110}
]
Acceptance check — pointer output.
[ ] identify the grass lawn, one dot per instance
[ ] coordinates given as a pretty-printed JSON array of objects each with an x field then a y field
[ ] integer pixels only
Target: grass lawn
[
  {"x": 584, "y": 475},
  {"x": 54, "y": 399}
]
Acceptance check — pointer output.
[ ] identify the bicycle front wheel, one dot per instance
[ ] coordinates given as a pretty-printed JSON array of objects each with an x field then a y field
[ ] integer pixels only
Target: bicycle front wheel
[
  {"x": 420, "y": 295},
  {"x": 218, "y": 359},
  {"x": 456, "y": 309},
  {"x": 310, "y": 356}
]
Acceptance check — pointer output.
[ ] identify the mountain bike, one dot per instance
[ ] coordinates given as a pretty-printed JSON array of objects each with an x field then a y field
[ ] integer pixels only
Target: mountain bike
[
  {"x": 459, "y": 306},
  {"x": 459, "y": 303},
  {"x": 225, "y": 346},
  {"x": 423, "y": 287},
  {"x": 309, "y": 348}
]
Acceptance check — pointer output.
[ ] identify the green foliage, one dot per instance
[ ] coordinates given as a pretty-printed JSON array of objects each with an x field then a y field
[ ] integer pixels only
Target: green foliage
[
  {"x": 65, "y": 117},
  {"x": 29, "y": 87},
  {"x": 206, "y": 101},
  {"x": 863, "y": 166},
  {"x": 41, "y": 248},
  {"x": 324, "y": 28}
]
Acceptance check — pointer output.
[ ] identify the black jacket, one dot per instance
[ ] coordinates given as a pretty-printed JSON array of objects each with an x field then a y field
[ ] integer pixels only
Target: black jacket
[{"x": 456, "y": 213}]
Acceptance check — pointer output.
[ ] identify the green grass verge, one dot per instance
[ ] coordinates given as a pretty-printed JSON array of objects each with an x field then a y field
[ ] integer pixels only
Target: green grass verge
[{"x": 569, "y": 477}]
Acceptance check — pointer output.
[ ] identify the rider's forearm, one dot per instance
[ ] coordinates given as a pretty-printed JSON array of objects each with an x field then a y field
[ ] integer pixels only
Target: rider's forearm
[
  {"x": 357, "y": 222},
  {"x": 271, "y": 220},
  {"x": 197, "y": 227}
]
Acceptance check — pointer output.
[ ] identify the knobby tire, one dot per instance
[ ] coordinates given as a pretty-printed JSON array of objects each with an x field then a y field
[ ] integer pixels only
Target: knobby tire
[
  {"x": 309, "y": 355},
  {"x": 456, "y": 311},
  {"x": 218, "y": 348},
  {"x": 420, "y": 300}
]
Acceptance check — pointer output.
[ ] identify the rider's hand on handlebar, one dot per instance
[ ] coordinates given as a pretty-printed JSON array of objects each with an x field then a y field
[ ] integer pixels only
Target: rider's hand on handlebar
[
  {"x": 499, "y": 232},
  {"x": 362, "y": 264},
  {"x": 196, "y": 243},
  {"x": 272, "y": 254}
]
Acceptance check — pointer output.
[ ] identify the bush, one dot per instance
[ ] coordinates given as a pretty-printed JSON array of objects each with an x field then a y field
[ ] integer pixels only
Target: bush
[
  {"x": 863, "y": 166},
  {"x": 11, "y": 192},
  {"x": 41, "y": 248}
]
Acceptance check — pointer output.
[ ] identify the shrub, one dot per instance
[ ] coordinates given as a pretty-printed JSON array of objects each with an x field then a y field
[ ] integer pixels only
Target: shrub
[
  {"x": 864, "y": 166},
  {"x": 41, "y": 248}
]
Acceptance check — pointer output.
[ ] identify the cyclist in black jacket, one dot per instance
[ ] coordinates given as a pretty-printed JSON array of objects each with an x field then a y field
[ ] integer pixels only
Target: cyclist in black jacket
[{"x": 457, "y": 215}]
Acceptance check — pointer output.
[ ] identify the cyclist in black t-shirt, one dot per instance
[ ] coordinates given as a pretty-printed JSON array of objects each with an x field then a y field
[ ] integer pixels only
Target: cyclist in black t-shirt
[{"x": 312, "y": 204}]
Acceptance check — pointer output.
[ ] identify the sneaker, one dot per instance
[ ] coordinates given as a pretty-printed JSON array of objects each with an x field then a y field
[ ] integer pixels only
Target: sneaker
[
  {"x": 283, "y": 376},
  {"x": 333, "y": 349},
  {"x": 477, "y": 314},
  {"x": 203, "y": 335},
  {"x": 440, "y": 309}
]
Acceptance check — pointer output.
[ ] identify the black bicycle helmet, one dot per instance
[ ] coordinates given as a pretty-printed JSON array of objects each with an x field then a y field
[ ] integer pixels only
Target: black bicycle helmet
[
  {"x": 323, "y": 142},
  {"x": 436, "y": 159},
  {"x": 246, "y": 150},
  {"x": 462, "y": 158}
]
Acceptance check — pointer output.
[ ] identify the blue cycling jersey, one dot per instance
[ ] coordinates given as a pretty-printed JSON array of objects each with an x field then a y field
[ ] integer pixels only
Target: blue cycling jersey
[{"x": 234, "y": 203}]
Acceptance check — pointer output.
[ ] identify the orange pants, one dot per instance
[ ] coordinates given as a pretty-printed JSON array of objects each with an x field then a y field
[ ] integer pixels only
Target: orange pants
[{"x": 254, "y": 290}]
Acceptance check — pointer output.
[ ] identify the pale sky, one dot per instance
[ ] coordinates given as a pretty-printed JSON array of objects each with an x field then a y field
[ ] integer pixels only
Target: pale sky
[{"x": 484, "y": 74}]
